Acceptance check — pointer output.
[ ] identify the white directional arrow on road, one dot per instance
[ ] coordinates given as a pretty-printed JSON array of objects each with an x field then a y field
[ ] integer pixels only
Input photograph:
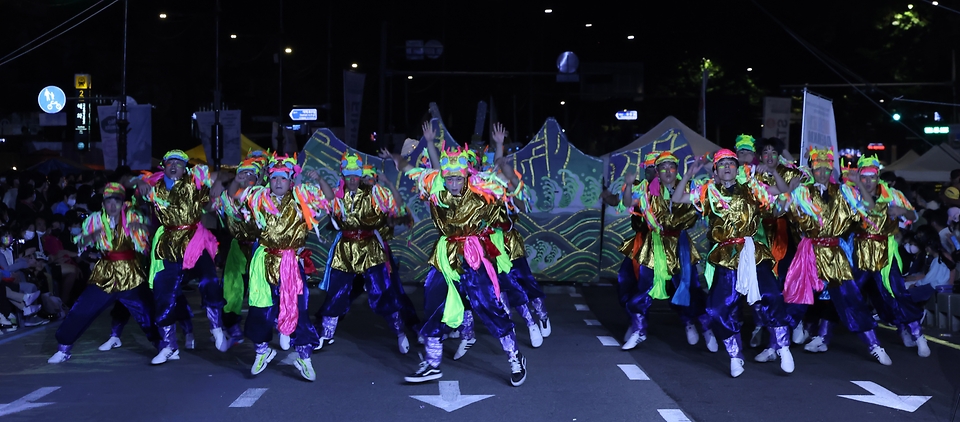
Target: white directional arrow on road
[
  {"x": 450, "y": 398},
  {"x": 887, "y": 398},
  {"x": 24, "y": 402}
]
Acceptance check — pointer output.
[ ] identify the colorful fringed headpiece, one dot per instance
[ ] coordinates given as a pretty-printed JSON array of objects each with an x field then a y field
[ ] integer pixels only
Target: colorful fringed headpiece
[
  {"x": 667, "y": 157},
  {"x": 868, "y": 165},
  {"x": 176, "y": 154},
  {"x": 454, "y": 162},
  {"x": 114, "y": 190},
  {"x": 369, "y": 171},
  {"x": 351, "y": 165},
  {"x": 746, "y": 142},
  {"x": 821, "y": 157},
  {"x": 723, "y": 154},
  {"x": 250, "y": 164},
  {"x": 650, "y": 159},
  {"x": 282, "y": 165}
]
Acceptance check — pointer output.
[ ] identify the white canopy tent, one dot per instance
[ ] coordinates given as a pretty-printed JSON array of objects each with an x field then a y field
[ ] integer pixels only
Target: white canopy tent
[
  {"x": 904, "y": 162},
  {"x": 933, "y": 166},
  {"x": 698, "y": 144}
]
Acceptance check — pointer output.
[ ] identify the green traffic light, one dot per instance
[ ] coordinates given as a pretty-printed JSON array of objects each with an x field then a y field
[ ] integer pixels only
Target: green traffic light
[{"x": 896, "y": 117}]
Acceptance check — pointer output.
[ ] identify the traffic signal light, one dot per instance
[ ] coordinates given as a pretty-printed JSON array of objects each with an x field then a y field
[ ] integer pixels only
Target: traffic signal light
[{"x": 896, "y": 117}]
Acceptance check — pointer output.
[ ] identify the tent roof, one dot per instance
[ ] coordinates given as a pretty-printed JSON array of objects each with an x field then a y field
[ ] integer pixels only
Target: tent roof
[
  {"x": 933, "y": 166},
  {"x": 903, "y": 162},
  {"x": 698, "y": 144},
  {"x": 198, "y": 155}
]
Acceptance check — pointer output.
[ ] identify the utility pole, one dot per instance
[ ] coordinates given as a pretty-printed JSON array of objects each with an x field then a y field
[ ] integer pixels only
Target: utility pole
[
  {"x": 122, "y": 122},
  {"x": 280, "y": 52},
  {"x": 216, "y": 132}
]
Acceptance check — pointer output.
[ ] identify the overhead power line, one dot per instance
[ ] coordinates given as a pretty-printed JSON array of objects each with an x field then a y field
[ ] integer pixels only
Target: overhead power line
[{"x": 6, "y": 60}]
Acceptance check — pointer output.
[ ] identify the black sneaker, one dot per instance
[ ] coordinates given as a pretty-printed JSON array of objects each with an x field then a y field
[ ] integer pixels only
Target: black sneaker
[
  {"x": 424, "y": 373},
  {"x": 518, "y": 370}
]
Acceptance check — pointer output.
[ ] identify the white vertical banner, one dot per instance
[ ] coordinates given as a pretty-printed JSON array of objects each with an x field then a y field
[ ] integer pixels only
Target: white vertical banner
[
  {"x": 352, "y": 102},
  {"x": 230, "y": 120},
  {"x": 776, "y": 120},
  {"x": 818, "y": 127},
  {"x": 139, "y": 136}
]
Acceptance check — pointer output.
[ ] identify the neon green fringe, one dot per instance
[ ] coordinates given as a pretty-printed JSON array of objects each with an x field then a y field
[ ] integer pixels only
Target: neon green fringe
[
  {"x": 504, "y": 264},
  {"x": 453, "y": 306},
  {"x": 233, "y": 272},
  {"x": 892, "y": 253},
  {"x": 156, "y": 265},
  {"x": 260, "y": 293},
  {"x": 660, "y": 272}
]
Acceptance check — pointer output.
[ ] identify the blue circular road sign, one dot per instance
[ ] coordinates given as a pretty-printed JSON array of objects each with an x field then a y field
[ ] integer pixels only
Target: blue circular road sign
[{"x": 51, "y": 99}]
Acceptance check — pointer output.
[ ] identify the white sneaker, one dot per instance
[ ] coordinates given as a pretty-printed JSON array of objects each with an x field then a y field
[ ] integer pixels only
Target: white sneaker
[
  {"x": 923, "y": 350},
  {"x": 881, "y": 355},
  {"x": 545, "y": 328},
  {"x": 403, "y": 343},
  {"x": 306, "y": 369},
  {"x": 736, "y": 367},
  {"x": 536, "y": 339},
  {"x": 165, "y": 355},
  {"x": 786, "y": 360},
  {"x": 4, "y": 320},
  {"x": 711, "y": 341},
  {"x": 33, "y": 321},
  {"x": 454, "y": 334},
  {"x": 692, "y": 336},
  {"x": 261, "y": 361},
  {"x": 59, "y": 357},
  {"x": 767, "y": 355},
  {"x": 816, "y": 345},
  {"x": 907, "y": 339},
  {"x": 800, "y": 335},
  {"x": 112, "y": 343},
  {"x": 632, "y": 341},
  {"x": 462, "y": 349},
  {"x": 756, "y": 337},
  {"x": 220, "y": 340},
  {"x": 284, "y": 342}
]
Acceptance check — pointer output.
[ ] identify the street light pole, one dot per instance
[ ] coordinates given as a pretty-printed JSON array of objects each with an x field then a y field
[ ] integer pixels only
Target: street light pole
[
  {"x": 122, "y": 122},
  {"x": 216, "y": 132}
]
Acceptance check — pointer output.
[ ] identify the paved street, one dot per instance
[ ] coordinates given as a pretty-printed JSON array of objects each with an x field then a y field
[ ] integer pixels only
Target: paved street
[{"x": 572, "y": 377}]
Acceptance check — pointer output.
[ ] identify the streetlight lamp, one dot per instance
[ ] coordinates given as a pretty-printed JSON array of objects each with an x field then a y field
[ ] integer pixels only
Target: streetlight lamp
[
  {"x": 163, "y": 16},
  {"x": 630, "y": 37},
  {"x": 353, "y": 65},
  {"x": 288, "y": 50},
  {"x": 233, "y": 36}
]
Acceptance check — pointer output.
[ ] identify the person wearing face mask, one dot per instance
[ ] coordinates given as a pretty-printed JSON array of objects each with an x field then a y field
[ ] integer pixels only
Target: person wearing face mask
[
  {"x": 876, "y": 251},
  {"x": 183, "y": 248},
  {"x": 359, "y": 211},
  {"x": 24, "y": 296},
  {"x": 667, "y": 259},
  {"x": 68, "y": 203},
  {"x": 737, "y": 266},
  {"x": 244, "y": 233},
  {"x": 820, "y": 275},
  {"x": 115, "y": 235},
  {"x": 467, "y": 257}
]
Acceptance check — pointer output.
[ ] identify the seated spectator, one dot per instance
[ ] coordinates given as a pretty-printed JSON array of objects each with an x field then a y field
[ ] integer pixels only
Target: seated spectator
[
  {"x": 932, "y": 268},
  {"x": 950, "y": 195},
  {"x": 22, "y": 295},
  {"x": 60, "y": 260},
  {"x": 68, "y": 203}
]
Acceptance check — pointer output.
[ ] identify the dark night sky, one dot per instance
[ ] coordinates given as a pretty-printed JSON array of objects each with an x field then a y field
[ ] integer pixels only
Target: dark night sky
[{"x": 170, "y": 62}]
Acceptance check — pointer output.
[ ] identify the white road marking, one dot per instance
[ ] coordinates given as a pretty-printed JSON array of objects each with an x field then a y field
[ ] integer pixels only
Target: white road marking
[
  {"x": 634, "y": 373},
  {"x": 576, "y": 294},
  {"x": 450, "y": 398},
  {"x": 591, "y": 322},
  {"x": 582, "y": 307},
  {"x": 24, "y": 402},
  {"x": 608, "y": 341},
  {"x": 249, "y": 397},
  {"x": 673, "y": 415},
  {"x": 883, "y": 397}
]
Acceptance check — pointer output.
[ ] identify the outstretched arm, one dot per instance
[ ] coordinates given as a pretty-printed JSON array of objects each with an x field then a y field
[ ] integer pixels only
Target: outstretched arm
[
  {"x": 429, "y": 135},
  {"x": 498, "y": 134},
  {"x": 626, "y": 197},
  {"x": 402, "y": 164},
  {"x": 682, "y": 196}
]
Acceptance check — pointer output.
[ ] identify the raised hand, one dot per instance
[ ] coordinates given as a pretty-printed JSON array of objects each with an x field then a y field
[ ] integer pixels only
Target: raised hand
[
  {"x": 428, "y": 132},
  {"x": 629, "y": 179},
  {"x": 498, "y": 133},
  {"x": 386, "y": 155}
]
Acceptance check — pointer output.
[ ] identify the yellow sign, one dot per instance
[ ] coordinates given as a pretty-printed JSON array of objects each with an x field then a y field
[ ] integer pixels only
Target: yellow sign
[{"x": 81, "y": 81}]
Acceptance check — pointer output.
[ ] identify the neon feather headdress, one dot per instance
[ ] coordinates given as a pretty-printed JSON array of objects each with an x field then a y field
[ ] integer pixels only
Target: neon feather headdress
[
  {"x": 114, "y": 190},
  {"x": 454, "y": 162},
  {"x": 667, "y": 157},
  {"x": 283, "y": 165},
  {"x": 369, "y": 171},
  {"x": 176, "y": 154},
  {"x": 746, "y": 142},
  {"x": 869, "y": 165},
  {"x": 821, "y": 157},
  {"x": 250, "y": 164},
  {"x": 723, "y": 154},
  {"x": 650, "y": 159},
  {"x": 351, "y": 165}
]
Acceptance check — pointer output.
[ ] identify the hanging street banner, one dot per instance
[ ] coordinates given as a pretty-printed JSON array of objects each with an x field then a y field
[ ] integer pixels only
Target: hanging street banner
[
  {"x": 818, "y": 127},
  {"x": 352, "y": 102},
  {"x": 139, "y": 135},
  {"x": 230, "y": 120},
  {"x": 776, "y": 119}
]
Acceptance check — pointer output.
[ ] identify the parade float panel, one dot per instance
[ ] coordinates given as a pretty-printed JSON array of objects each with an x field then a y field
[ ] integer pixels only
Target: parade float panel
[
  {"x": 671, "y": 138},
  {"x": 561, "y": 227}
]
